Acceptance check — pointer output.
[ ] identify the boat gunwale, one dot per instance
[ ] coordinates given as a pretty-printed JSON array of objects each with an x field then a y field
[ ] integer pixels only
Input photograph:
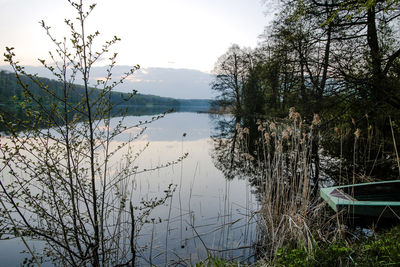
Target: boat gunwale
[{"x": 325, "y": 194}]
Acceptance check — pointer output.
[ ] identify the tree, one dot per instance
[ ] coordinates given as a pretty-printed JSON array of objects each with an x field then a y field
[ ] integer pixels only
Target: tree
[
  {"x": 230, "y": 72},
  {"x": 63, "y": 188},
  {"x": 340, "y": 59}
]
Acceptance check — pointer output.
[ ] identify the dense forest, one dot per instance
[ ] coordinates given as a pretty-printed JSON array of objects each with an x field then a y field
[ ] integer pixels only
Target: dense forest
[
  {"x": 337, "y": 59},
  {"x": 11, "y": 96}
]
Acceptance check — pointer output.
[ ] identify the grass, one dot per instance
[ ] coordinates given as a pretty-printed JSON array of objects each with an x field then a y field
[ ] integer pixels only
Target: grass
[
  {"x": 379, "y": 250},
  {"x": 217, "y": 262},
  {"x": 383, "y": 250}
]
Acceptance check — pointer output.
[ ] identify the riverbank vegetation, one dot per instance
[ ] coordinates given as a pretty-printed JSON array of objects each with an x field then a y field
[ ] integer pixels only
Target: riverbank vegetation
[
  {"x": 380, "y": 250},
  {"x": 337, "y": 59},
  {"x": 337, "y": 63}
]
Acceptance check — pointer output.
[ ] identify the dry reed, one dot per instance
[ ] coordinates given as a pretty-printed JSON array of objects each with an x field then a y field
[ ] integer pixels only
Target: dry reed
[{"x": 289, "y": 212}]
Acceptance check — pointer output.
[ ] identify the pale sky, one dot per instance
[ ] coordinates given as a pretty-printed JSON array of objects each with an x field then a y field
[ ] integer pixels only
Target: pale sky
[{"x": 155, "y": 33}]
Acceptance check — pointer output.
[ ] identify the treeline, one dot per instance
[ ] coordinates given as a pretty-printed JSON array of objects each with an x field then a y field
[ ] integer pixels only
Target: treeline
[
  {"x": 12, "y": 97},
  {"x": 339, "y": 59}
]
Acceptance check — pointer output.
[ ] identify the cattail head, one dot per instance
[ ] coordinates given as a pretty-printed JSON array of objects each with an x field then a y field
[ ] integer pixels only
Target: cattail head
[
  {"x": 316, "y": 119},
  {"x": 357, "y": 133},
  {"x": 338, "y": 131},
  {"x": 279, "y": 146},
  {"x": 272, "y": 126},
  {"x": 267, "y": 138},
  {"x": 285, "y": 135},
  {"x": 247, "y": 156},
  {"x": 291, "y": 112}
]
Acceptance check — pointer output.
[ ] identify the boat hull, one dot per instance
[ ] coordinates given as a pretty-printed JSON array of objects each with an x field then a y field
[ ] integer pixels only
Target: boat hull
[{"x": 379, "y": 199}]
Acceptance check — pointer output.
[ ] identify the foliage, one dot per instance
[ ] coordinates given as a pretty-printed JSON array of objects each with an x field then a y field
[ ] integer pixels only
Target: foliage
[
  {"x": 338, "y": 59},
  {"x": 230, "y": 74},
  {"x": 67, "y": 184}
]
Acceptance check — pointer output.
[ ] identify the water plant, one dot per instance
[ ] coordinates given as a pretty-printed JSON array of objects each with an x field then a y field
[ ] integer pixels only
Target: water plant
[{"x": 290, "y": 213}]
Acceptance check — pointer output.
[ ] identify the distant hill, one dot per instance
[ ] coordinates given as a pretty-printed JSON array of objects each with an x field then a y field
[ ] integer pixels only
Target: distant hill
[
  {"x": 165, "y": 82},
  {"x": 140, "y": 104}
]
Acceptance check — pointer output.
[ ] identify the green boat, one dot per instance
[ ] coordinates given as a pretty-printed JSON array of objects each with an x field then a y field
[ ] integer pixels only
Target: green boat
[{"x": 378, "y": 199}]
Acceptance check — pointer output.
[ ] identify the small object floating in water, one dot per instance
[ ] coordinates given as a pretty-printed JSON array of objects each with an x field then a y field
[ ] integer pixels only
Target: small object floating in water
[{"x": 377, "y": 199}]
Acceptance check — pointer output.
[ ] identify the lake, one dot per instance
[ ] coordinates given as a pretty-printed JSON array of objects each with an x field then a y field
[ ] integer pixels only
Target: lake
[{"x": 207, "y": 214}]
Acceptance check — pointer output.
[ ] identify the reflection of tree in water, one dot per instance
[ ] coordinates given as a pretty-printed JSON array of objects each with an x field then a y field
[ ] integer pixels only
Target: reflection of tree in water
[
  {"x": 281, "y": 170},
  {"x": 231, "y": 147},
  {"x": 278, "y": 151}
]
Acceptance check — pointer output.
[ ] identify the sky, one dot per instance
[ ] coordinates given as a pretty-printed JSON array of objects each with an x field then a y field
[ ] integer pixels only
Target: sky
[{"x": 189, "y": 34}]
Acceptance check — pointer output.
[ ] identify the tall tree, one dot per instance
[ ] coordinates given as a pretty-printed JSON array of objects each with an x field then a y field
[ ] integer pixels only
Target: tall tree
[{"x": 231, "y": 70}]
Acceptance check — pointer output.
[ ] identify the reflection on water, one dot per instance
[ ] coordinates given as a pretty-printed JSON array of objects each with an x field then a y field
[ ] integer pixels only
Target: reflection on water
[{"x": 207, "y": 214}]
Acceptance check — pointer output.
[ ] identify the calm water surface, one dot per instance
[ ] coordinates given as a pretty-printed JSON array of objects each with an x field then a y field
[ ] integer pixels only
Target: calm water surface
[{"x": 207, "y": 213}]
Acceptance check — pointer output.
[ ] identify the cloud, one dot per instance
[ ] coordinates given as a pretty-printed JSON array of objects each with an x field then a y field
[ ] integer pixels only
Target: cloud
[
  {"x": 134, "y": 79},
  {"x": 167, "y": 82},
  {"x": 143, "y": 71}
]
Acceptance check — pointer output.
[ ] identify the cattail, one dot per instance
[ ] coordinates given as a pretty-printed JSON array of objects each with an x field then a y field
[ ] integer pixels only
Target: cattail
[
  {"x": 258, "y": 122},
  {"x": 260, "y": 128},
  {"x": 357, "y": 133},
  {"x": 248, "y": 156},
  {"x": 338, "y": 131},
  {"x": 267, "y": 138},
  {"x": 279, "y": 146},
  {"x": 316, "y": 119},
  {"x": 246, "y": 130},
  {"x": 272, "y": 126},
  {"x": 237, "y": 126},
  {"x": 285, "y": 135},
  {"x": 291, "y": 113}
]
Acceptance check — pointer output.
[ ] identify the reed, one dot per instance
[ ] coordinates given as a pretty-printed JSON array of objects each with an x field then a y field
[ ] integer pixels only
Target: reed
[{"x": 284, "y": 168}]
